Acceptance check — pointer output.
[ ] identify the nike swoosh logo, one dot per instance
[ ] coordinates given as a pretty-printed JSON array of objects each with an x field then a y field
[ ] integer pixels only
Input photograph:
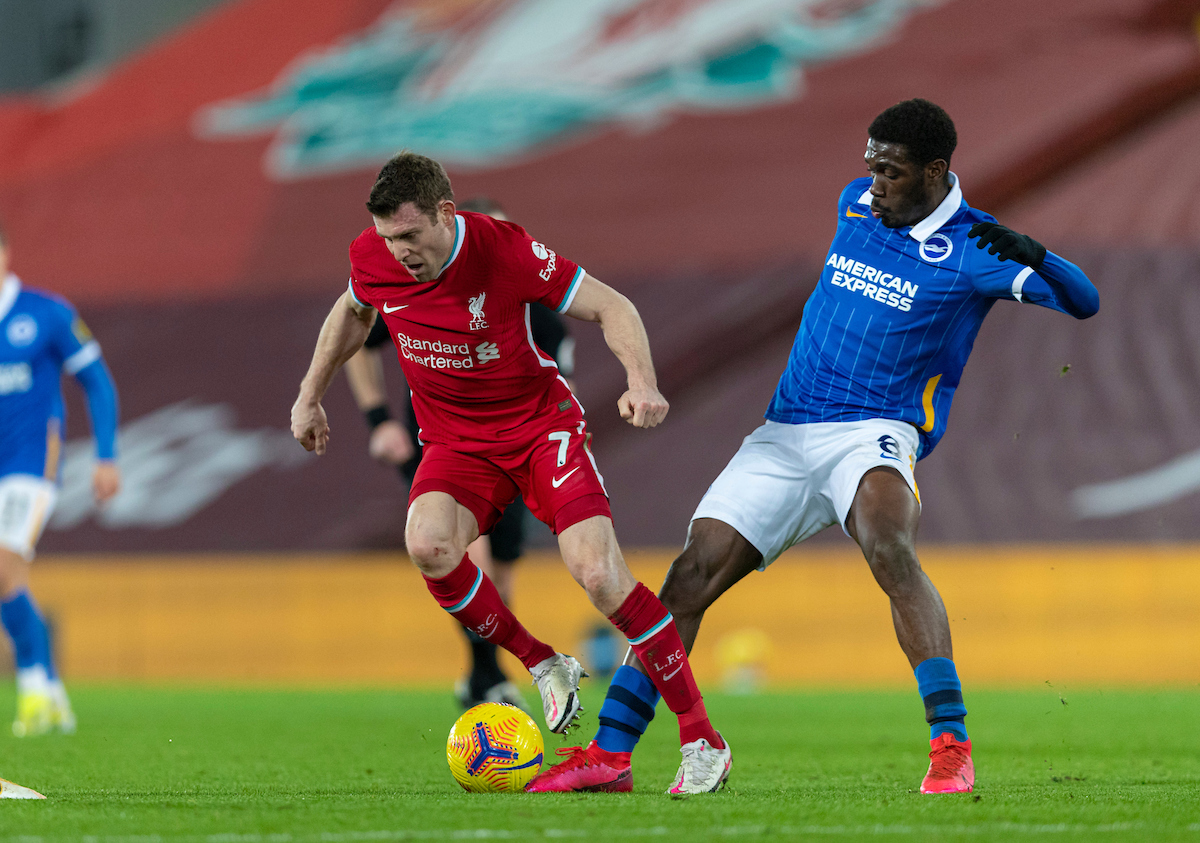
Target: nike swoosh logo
[
  {"x": 558, "y": 481},
  {"x": 387, "y": 309},
  {"x": 850, "y": 213},
  {"x": 672, "y": 673}
]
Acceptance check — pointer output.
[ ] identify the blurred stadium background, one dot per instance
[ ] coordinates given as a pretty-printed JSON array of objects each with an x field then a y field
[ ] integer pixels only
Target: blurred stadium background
[{"x": 190, "y": 173}]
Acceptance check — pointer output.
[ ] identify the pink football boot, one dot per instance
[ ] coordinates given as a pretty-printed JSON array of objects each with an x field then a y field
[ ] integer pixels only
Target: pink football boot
[
  {"x": 593, "y": 769},
  {"x": 951, "y": 769}
]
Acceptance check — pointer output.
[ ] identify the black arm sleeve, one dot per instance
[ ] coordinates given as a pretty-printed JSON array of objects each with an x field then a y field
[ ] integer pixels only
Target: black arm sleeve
[
  {"x": 549, "y": 331},
  {"x": 379, "y": 334}
]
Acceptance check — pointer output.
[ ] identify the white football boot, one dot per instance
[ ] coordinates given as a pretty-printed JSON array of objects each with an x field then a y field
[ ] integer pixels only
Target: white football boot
[
  {"x": 557, "y": 679},
  {"x": 703, "y": 769}
]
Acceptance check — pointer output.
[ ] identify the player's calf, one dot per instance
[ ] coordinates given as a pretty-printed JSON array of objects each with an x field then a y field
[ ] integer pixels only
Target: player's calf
[
  {"x": 468, "y": 595},
  {"x": 652, "y": 635},
  {"x": 590, "y": 552},
  {"x": 703, "y": 572},
  {"x": 36, "y": 677},
  {"x": 896, "y": 568},
  {"x": 683, "y": 591}
]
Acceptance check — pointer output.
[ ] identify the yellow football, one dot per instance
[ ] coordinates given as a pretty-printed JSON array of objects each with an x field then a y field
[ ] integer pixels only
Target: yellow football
[{"x": 493, "y": 748}]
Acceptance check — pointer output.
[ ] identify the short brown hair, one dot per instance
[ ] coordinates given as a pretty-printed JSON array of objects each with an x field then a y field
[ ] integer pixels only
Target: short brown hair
[{"x": 408, "y": 177}]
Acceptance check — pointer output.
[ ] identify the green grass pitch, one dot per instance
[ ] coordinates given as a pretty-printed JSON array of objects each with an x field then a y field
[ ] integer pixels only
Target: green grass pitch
[{"x": 153, "y": 764}]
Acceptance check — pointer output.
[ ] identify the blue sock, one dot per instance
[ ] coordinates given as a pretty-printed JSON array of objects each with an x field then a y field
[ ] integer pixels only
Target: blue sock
[
  {"x": 24, "y": 625},
  {"x": 937, "y": 680},
  {"x": 627, "y": 711}
]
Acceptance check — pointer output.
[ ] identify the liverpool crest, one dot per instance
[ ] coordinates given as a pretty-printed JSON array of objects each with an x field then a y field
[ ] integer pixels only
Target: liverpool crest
[{"x": 475, "y": 305}]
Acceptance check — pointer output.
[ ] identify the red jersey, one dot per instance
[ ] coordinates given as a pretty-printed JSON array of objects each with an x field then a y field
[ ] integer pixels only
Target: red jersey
[{"x": 463, "y": 339}]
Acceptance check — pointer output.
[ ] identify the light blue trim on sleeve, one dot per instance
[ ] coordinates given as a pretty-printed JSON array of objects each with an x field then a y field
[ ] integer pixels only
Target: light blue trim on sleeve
[
  {"x": 571, "y": 291},
  {"x": 350, "y": 287}
]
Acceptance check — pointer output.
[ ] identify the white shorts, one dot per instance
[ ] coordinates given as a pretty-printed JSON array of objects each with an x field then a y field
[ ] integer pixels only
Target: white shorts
[
  {"x": 26, "y": 502},
  {"x": 789, "y": 481}
]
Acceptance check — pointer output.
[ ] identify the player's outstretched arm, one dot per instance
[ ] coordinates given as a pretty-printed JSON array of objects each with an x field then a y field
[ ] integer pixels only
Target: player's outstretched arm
[
  {"x": 101, "y": 391},
  {"x": 345, "y": 328},
  {"x": 1071, "y": 287},
  {"x": 642, "y": 405},
  {"x": 1074, "y": 293}
]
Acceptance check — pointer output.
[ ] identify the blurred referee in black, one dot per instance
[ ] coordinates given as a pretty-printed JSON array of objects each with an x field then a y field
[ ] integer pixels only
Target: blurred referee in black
[{"x": 394, "y": 441}]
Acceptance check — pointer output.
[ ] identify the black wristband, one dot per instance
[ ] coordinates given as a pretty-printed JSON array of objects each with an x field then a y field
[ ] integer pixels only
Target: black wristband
[{"x": 377, "y": 416}]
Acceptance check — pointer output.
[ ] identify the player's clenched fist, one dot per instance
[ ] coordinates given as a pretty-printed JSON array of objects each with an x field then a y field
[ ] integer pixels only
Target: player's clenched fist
[
  {"x": 390, "y": 443},
  {"x": 310, "y": 426},
  {"x": 643, "y": 407},
  {"x": 106, "y": 481}
]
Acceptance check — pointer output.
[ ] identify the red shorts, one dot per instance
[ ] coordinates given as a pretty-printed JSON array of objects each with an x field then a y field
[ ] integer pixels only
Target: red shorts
[{"x": 555, "y": 472}]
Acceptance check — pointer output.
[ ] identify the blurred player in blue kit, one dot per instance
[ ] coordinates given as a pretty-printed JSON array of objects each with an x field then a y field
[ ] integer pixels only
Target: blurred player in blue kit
[
  {"x": 395, "y": 441},
  {"x": 910, "y": 275},
  {"x": 41, "y": 337}
]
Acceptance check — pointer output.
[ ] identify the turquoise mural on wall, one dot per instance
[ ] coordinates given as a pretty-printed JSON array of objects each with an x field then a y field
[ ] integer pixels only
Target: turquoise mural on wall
[{"x": 530, "y": 74}]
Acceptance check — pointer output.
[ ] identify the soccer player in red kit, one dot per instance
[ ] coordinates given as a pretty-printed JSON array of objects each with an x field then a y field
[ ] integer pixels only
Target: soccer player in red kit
[{"x": 497, "y": 419}]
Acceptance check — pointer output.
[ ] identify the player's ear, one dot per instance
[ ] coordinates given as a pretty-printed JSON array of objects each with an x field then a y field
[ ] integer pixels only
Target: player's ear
[
  {"x": 935, "y": 171},
  {"x": 446, "y": 212}
]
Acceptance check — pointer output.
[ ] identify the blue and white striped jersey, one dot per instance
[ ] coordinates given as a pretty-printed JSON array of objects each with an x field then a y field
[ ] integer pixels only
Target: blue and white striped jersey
[
  {"x": 889, "y": 327},
  {"x": 40, "y": 338}
]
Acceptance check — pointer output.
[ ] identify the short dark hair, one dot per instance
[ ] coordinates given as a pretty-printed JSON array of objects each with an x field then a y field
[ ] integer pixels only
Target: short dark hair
[
  {"x": 409, "y": 177},
  {"x": 925, "y": 130}
]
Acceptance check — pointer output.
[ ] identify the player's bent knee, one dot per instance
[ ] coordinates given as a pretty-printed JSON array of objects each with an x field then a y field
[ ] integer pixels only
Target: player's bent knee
[{"x": 433, "y": 555}]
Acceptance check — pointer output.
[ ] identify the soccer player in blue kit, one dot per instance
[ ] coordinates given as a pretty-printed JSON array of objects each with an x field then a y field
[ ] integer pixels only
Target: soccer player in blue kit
[
  {"x": 41, "y": 337},
  {"x": 910, "y": 275}
]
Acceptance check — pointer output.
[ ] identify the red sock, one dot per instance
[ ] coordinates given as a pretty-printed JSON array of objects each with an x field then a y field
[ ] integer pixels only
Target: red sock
[
  {"x": 468, "y": 595},
  {"x": 651, "y": 632}
]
